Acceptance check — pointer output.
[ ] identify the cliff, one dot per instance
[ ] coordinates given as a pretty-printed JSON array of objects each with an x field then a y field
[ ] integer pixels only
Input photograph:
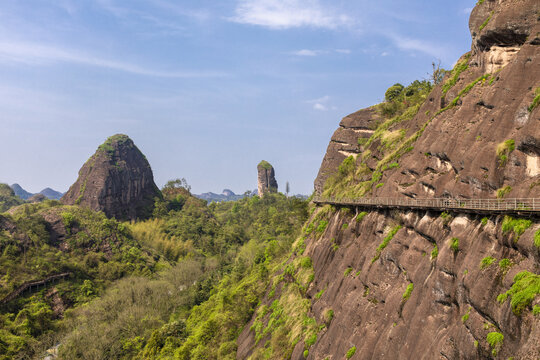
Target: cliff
[
  {"x": 398, "y": 284},
  {"x": 266, "y": 178},
  {"x": 117, "y": 180}
]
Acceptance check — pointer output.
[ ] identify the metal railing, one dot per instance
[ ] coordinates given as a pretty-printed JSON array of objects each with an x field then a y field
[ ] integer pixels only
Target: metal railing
[
  {"x": 472, "y": 205},
  {"x": 29, "y": 285}
]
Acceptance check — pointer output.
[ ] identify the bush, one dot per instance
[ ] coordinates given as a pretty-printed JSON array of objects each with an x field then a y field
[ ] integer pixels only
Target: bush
[
  {"x": 454, "y": 244},
  {"x": 408, "y": 291},
  {"x": 495, "y": 340},
  {"x": 517, "y": 226},
  {"x": 524, "y": 290},
  {"x": 351, "y": 352},
  {"x": 486, "y": 262},
  {"x": 393, "y": 92}
]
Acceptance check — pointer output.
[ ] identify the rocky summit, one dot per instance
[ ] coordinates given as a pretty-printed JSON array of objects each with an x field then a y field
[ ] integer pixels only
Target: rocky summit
[
  {"x": 266, "y": 179},
  {"x": 117, "y": 180}
]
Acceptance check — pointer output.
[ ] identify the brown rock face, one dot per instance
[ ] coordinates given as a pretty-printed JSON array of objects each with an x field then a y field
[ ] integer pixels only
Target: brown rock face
[
  {"x": 117, "y": 180},
  {"x": 266, "y": 180},
  {"x": 421, "y": 284},
  {"x": 344, "y": 142}
]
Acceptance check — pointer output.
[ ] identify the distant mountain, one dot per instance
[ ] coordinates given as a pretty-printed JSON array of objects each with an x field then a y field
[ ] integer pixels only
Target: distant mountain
[
  {"x": 20, "y": 192},
  {"x": 25, "y": 195},
  {"x": 51, "y": 194},
  {"x": 226, "y": 195}
]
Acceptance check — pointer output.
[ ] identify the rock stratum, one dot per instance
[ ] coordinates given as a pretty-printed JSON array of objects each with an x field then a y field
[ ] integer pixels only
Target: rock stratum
[
  {"x": 397, "y": 284},
  {"x": 117, "y": 180},
  {"x": 266, "y": 178}
]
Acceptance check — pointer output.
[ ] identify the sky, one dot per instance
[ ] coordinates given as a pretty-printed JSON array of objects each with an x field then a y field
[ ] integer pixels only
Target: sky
[{"x": 206, "y": 89}]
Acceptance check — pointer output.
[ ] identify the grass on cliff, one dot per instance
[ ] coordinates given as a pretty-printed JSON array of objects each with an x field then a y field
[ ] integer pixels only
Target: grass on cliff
[
  {"x": 385, "y": 242},
  {"x": 535, "y": 101},
  {"x": 516, "y": 226},
  {"x": 524, "y": 290},
  {"x": 504, "y": 150}
]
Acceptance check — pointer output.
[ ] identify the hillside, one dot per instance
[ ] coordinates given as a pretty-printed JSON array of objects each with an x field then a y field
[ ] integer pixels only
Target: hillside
[{"x": 411, "y": 284}]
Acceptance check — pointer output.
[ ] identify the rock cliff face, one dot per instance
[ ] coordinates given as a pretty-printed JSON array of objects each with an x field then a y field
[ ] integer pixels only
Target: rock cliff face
[
  {"x": 117, "y": 180},
  {"x": 396, "y": 284},
  {"x": 266, "y": 180}
]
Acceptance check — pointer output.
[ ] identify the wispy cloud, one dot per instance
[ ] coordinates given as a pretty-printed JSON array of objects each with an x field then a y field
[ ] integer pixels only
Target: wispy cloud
[
  {"x": 286, "y": 14},
  {"x": 423, "y": 46},
  {"x": 35, "y": 54},
  {"x": 321, "y": 104},
  {"x": 309, "y": 52}
]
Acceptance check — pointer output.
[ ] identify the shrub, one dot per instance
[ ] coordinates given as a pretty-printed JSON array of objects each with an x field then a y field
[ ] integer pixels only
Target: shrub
[
  {"x": 536, "y": 310},
  {"x": 484, "y": 24},
  {"x": 517, "y": 226},
  {"x": 505, "y": 265},
  {"x": 486, "y": 262},
  {"x": 328, "y": 316},
  {"x": 322, "y": 226},
  {"x": 502, "y": 192},
  {"x": 495, "y": 340},
  {"x": 408, "y": 291},
  {"x": 345, "y": 226},
  {"x": 320, "y": 293},
  {"x": 347, "y": 271},
  {"x": 306, "y": 353},
  {"x": 535, "y": 101},
  {"x": 484, "y": 221},
  {"x": 361, "y": 215},
  {"x": 351, "y": 352},
  {"x": 385, "y": 242},
  {"x": 305, "y": 262},
  {"x": 537, "y": 239},
  {"x": 454, "y": 244},
  {"x": 393, "y": 92},
  {"x": 460, "y": 67},
  {"x": 434, "y": 252},
  {"x": 524, "y": 290},
  {"x": 504, "y": 149},
  {"x": 347, "y": 165},
  {"x": 465, "y": 317}
]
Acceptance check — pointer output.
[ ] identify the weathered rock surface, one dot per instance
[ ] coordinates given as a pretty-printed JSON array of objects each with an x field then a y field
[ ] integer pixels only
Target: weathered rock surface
[
  {"x": 452, "y": 305},
  {"x": 456, "y": 156},
  {"x": 117, "y": 180},
  {"x": 266, "y": 179}
]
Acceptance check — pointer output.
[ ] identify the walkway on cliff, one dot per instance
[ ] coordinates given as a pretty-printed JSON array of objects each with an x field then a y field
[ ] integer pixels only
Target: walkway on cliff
[
  {"x": 479, "y": 206},
  {"x": 30, "y": 285}
]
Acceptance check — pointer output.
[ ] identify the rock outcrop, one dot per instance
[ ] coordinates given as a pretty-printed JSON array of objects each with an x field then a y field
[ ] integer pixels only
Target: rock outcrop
[
  {"x": 266, "y": 180},
  {"x": 117, "y": 180},
  {"x": 398, "y": 284}
]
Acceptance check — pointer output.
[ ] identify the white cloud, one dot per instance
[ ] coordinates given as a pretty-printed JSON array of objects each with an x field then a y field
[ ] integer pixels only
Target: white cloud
[
  {"x": 321, "y": 103},
  {"x": 307, "y": 52},
  {"x": 343, "y": 51},
  {"x": 320, "y": 107},
  {"x": 384, "y": 53},
  {"x": 467, "y": 10},
  {"x": 31, "y": 53},
  {"x": 285, "y": 14}
]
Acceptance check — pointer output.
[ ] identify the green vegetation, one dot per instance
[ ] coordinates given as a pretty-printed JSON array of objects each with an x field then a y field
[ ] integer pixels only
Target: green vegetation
[
  {"x": 8, "y": 198},
  {"x": 320, "y": 293},
  {"x": 465, "y": 317},
  {"x": 354, "y": 177},
  {"x": 360, "y": 216},
  {"x": 517, "y": 226},
  {"x": 463, "y": 92},
  {"x": 484, "y": 221},
  {"x": 434, "y": 252},
  {"x": 502, "y": 192},
  {"x": 503, "y": 151},
  {"x": 351, "y": 352},
  {"x": 537, "y": 238},
  {"x": 536, "y": 310},
  {"x": 408, "y": 291},
  {"x": 460, "y": 67},
  {"x": 535, "y": 101},
  {"x": 486, "y": 262},
  {"x": 202, "y": 267},
  {"x": 385, "y": 242},
  {"x": 495, "y": 340},
  {"x": 524, "y": 290},
  {"x": 484, "y": 24},
  {"x": 265, "y": 165},
  {"x": 347, "y": 271},
  {"x": 454, "y": 244},
  {"x": 505, "y": 265}
]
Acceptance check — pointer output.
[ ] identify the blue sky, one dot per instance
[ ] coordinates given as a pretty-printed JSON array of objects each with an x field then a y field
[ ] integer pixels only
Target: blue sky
[{"x": 206, "y": 89}]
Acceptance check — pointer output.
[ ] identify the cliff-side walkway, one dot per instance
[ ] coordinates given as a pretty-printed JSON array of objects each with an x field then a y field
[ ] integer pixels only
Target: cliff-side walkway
[{"x": 479, "y": 206}]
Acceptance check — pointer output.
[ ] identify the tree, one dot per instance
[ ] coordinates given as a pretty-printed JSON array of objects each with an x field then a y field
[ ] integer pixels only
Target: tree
[
  {"x": 393, "y": 92},
  {"x": 287, "y": 188},
  {"x": 437, "y": 75}
]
